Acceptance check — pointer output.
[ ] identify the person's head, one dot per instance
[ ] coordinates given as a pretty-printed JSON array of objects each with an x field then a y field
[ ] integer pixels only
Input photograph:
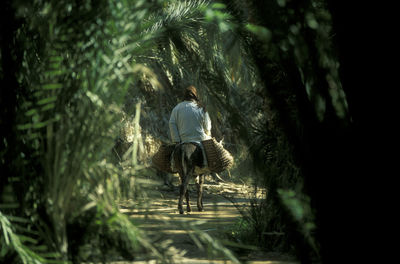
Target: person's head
[{"x": 190, "y": 94}]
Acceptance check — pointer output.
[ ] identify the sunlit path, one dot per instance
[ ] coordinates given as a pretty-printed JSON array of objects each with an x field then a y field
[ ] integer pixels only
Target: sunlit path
[{"x": 222, "y": 203}]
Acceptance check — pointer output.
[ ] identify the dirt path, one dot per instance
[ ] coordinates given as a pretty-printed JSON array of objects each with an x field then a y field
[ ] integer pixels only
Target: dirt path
[{"x": 195, "y": 237}]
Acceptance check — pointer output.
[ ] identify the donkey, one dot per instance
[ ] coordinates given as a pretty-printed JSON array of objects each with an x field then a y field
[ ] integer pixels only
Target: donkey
[{"x": 186, "y": 157}]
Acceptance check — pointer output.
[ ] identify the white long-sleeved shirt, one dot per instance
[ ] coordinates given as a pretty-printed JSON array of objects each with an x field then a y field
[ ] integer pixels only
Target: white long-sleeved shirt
[{"x": 189, "y": 123}]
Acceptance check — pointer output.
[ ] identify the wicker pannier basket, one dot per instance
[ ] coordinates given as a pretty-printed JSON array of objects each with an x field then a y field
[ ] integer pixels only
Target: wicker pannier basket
[
  {"x": 162, "y": 159},
  {"x": 218, "y": 158}
]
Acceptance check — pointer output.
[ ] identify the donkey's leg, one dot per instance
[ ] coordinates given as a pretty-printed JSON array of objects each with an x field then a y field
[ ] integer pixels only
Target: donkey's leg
[
  {"x": 188, "y": 208},
  {"x": 182, "y": 191},
  {"x": 188, "y": 177},
  {"x": 199, "y": 186}
]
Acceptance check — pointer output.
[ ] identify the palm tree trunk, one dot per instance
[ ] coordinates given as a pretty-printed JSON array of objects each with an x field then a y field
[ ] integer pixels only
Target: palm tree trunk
[{"x": 60, "y": 231}]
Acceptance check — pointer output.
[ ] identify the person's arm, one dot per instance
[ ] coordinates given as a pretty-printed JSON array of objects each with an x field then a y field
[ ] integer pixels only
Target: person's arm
[
  {"x": 207, "y": 124},
  {"x": 173, "y": 128}
]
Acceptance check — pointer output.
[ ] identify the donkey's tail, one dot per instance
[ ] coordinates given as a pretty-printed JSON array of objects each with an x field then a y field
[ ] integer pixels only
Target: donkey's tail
[
  {"x": 185, "y": 158},
  {"x": 190, "y": 156}
]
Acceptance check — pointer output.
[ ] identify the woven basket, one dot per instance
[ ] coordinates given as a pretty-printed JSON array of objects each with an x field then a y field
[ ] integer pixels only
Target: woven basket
[
  {"x": 162, "y": 159},
  {"x": 218, "y": 158}
]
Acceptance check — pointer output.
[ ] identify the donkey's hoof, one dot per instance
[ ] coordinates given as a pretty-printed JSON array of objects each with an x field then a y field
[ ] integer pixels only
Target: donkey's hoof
[
  {"x": 181, "y": 211},
  {"x": 200, "y": 209},
  {"x": 189, "y": 209}
]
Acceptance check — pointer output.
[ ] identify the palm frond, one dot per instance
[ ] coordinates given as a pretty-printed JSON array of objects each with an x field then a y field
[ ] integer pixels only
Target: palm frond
[{"x": 25, "y": 242}]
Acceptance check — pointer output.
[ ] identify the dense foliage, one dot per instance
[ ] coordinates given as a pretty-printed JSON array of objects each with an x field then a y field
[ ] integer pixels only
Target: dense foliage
[{"x": 75, "y": 75}]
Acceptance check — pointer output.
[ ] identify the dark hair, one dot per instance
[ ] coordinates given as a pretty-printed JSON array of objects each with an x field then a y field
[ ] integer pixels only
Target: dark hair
[{"x": 190, "y": 94}]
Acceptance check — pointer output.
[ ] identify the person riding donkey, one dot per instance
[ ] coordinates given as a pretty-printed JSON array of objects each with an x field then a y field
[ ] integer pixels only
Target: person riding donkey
[
  {"x": 193, "y": 151},
  {"x": 189, "y": 125}
]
